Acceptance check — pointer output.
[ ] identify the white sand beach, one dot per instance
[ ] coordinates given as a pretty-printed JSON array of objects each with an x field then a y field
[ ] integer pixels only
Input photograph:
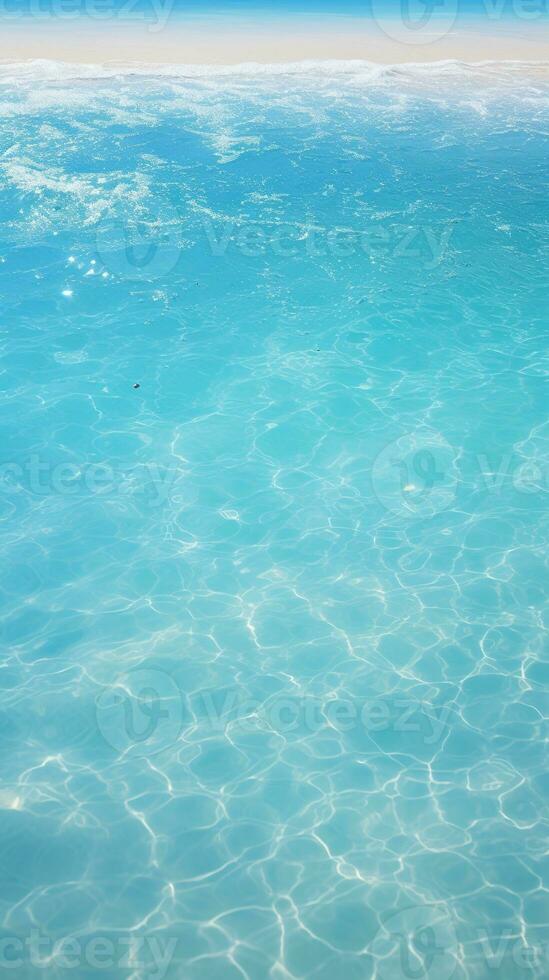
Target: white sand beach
[{"x": 165, "y": 39}]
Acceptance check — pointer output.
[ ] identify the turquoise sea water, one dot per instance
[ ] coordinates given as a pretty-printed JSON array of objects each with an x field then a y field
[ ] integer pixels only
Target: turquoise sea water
[{"x": 275, "y": 668}]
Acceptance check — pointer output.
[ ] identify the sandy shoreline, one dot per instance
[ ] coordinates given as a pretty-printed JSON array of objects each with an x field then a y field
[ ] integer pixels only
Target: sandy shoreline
[{"x": 212, "y": 42}]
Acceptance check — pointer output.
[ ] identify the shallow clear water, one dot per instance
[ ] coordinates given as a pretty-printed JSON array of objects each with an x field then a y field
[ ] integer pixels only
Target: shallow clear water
[{"x": 274, "y": 681}]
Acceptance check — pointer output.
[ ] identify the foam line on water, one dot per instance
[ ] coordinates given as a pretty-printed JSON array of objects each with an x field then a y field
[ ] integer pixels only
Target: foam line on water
[{"x": 48, "y": 70}]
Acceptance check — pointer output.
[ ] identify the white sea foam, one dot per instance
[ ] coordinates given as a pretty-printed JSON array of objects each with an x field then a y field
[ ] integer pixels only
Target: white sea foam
[{"x": 46, "y": 70}]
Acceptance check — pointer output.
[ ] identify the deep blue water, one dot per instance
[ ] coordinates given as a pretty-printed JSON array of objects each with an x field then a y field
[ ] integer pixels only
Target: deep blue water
[{"x": 274, "y": 681}]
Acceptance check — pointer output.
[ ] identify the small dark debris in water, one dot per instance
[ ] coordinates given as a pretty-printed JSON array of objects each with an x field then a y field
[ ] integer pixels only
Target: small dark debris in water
[{"x": 136, "y": 385}]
